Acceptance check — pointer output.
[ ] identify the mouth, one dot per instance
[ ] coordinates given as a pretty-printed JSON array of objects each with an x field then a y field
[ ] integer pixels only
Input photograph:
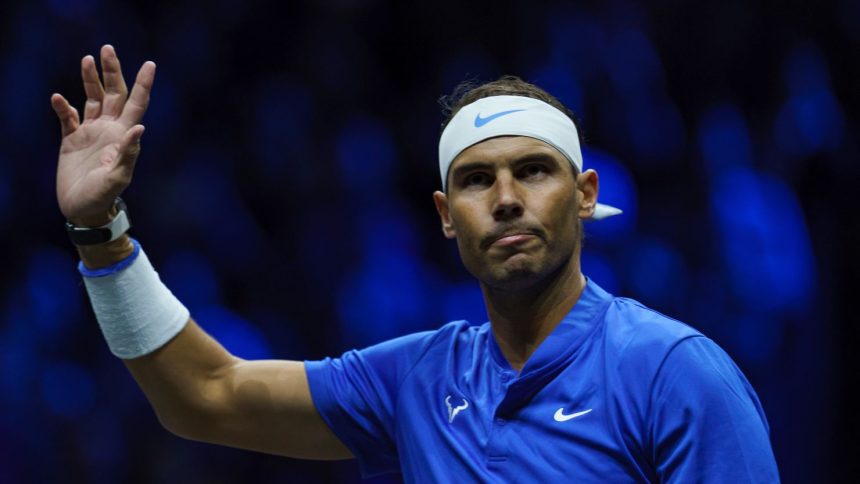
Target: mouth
[
  {"x": 513, "y": 239},
  {"x": 510, "y": 238}
]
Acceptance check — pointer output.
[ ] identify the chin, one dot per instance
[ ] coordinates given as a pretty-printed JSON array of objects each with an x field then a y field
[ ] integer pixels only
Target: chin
[
  {"x": 521, "y": 271},
  {"x": 515, "y": 273}
]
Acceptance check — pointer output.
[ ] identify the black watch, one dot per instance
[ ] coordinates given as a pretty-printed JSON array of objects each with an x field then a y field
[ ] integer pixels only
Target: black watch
[{"x": 106, "y": 233}]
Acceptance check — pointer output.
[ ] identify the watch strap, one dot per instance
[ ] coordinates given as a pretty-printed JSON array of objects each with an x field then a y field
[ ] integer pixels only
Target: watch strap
[{"x": 106, "y": 233}]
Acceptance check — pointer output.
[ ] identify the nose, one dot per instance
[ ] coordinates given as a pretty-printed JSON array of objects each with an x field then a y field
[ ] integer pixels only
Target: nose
[{"x": 507, "y": 203}]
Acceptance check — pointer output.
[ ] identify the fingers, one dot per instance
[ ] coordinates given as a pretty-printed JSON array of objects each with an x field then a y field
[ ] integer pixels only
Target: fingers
[
  {"x": 93, "y": 88},
  {"x": 115, "y": 88},
  {"x": 134, "y": 109},
  {"x": 129, "y": 147},
  {"x": 69, "y": 120}
]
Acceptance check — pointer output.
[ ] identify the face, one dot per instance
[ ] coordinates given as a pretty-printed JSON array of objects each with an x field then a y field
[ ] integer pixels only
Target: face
[{"x": 514, "y": 205}]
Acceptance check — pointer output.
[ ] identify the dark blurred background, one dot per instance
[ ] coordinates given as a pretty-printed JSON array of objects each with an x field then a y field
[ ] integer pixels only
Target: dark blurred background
[{"x": 284, "y": 193}]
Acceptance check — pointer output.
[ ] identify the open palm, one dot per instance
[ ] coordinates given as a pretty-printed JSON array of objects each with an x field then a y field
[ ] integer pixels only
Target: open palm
[{"x": 98, "y": 154}]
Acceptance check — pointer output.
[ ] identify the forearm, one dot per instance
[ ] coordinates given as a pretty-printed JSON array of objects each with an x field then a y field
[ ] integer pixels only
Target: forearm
[
  {"x": 197, "y": 389},
  {"x": 173, "y": 360},
  {"x": 183, "y": 380},
  {"x": 201, "y": 392}
]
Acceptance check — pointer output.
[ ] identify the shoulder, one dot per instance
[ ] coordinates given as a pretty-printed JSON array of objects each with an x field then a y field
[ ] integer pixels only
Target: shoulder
[
  {"x": 403, "y": 353},
  {"x": 420, "y": 342},
  {"x": 636, "y": 331},
  {"x": 639, "y": 340},
  {"x": 668, "y": 355},
  {"x": 698, "y": 371}
]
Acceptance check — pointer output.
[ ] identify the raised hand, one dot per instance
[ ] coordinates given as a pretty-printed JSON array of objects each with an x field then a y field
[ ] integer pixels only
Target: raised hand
[{"x": 98, "y": 154}]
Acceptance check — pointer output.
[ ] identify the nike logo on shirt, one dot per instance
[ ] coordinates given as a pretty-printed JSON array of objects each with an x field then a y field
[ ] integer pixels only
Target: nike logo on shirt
[
  {"x": 561, "y": 417},
  {"x": 479, "y": 121}
]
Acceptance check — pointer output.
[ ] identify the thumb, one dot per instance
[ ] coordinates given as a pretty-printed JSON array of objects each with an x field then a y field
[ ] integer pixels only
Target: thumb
[{"x": 129, "y": 146}]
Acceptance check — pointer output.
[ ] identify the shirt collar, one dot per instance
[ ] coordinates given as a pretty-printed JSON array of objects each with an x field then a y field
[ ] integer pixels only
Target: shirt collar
[{"x": 560, "y": 347}]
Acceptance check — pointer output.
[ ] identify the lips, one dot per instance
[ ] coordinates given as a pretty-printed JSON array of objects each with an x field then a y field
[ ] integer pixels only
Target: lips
[
  {"x": 512, "y": 239},
  {"x": 509, "y": 238}
]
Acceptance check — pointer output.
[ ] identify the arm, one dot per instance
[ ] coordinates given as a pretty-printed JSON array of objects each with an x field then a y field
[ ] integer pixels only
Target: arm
[
  {"x": 708, "y": 424},
  {"x": 197, "y": 389},
  {"x": 201, "y": 392}
]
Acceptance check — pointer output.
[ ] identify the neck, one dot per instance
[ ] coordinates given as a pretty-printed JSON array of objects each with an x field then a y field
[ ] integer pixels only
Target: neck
[{"x": 523, "y": 318}]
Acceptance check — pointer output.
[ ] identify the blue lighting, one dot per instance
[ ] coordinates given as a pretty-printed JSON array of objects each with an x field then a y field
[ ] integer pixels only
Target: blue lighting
[
  {"x": 165, "y": 113},
  {"x": 560, "y": 80},
  {"x": 241, "y": 338},
  {"x": 809, "y": 123},
  {"x": 73, "y": 9},
  {"x": 576, "y": 41},
  {"x": 756, "y": 337},
  {"x": 18, "y": 351},
  {"x": 465, "y": 63},
  {"x": 764, "y": 241},
  {"x": 282, "y": 120},
  {"x": 387, "y": 297},
  {"x": 5, "y": 189},
  {"x": 724, "y": 139},
  {"x": 632, "y": 63},
  {"x": 191, "y": 277},
  {"x": 656, "y": 130},
  {"x": 655, "y": 272},
  {"x": 192, "y": 51},
  {"x": 209, "y": 200},
  {"x": 68, "y": 389},
  {"x": 386, "y": 230},
  {"x": 599, "y": 268},
  {"x": 53, "y": 290},
  {"x": 22, "y": 76},
  {"x": 464, "y": 301},
  {"x": 811, "y": 119},
  {"x": 616, "y": 189},
  {"x": 366, "y": 156}
]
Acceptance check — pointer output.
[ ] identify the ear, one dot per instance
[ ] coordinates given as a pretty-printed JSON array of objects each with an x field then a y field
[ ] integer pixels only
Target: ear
[
  {"x": 587, "y": 186},
  {"x": 441, "y": 201}
]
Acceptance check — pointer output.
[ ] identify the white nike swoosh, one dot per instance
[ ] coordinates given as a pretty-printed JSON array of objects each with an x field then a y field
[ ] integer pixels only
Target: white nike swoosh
[{"x": 561, "y": 417}]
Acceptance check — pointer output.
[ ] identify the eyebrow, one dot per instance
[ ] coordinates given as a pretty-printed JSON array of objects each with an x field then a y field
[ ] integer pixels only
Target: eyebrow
[{"x": 533, "y": 157}]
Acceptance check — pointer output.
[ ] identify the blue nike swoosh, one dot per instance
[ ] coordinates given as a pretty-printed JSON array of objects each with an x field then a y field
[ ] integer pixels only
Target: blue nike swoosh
[{"x": 479, "y": 121}]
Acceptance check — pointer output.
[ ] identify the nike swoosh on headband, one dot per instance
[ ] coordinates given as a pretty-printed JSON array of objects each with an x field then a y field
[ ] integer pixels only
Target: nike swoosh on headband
[{"x": 479, "y": 121}]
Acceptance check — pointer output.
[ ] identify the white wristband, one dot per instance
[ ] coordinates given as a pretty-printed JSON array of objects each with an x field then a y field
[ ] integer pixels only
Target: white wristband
[{"x": 137, "y": 313}]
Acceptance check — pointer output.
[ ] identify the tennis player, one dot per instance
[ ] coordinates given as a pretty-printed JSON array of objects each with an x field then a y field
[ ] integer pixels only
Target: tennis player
[{"x": 565, "y": 383}]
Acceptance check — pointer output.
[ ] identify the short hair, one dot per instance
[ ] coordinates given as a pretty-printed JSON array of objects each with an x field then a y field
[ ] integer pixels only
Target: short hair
[{"x": 470, "y": 91}]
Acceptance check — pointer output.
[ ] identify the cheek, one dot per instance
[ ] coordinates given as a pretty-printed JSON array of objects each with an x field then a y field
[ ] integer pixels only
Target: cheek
[
  {"x": 465, "y": 221},
  {"x": 468, "y": 236},
  {"x": 561, "y": 212}
]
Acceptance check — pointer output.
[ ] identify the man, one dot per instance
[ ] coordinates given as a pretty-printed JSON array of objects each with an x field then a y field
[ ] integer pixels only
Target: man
[{"x": 565, "y": 382}]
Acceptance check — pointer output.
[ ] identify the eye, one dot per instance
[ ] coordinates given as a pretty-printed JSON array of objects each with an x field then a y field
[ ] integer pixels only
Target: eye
[
  {"x": 534, "y": 169},
  {"x": 476, "y": 178}
]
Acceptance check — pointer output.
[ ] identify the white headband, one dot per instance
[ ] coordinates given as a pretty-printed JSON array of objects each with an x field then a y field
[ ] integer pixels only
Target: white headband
[{"x": 494, "y": 116}]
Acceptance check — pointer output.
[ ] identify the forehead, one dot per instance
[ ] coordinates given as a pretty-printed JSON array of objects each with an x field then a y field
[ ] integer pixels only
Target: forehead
[{"x": 506, "y": 149}]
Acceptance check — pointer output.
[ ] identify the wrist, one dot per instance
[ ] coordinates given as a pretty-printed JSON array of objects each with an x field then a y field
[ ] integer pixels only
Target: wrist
[
  {"x": 93, "y": 221},
  {"x": 103, "y": 255},
  {"x": 102, "y": 234},
  {"x": 135, "y": 311}
]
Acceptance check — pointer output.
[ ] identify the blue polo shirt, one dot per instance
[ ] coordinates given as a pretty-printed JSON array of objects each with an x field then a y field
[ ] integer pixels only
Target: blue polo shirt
[{"x": 616, "y": 393}]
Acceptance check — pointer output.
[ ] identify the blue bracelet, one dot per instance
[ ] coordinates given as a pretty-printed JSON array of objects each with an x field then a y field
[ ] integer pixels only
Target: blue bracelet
[{"x": 113, "y": 268}]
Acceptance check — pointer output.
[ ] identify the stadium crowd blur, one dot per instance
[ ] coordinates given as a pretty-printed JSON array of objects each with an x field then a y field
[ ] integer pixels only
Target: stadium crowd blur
[{"x": 284, "y": 194}]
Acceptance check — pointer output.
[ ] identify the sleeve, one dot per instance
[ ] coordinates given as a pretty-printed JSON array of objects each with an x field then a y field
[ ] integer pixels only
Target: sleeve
[
  {"x": 708, "y": 424},
  {"x": 356, "y": 396}
]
